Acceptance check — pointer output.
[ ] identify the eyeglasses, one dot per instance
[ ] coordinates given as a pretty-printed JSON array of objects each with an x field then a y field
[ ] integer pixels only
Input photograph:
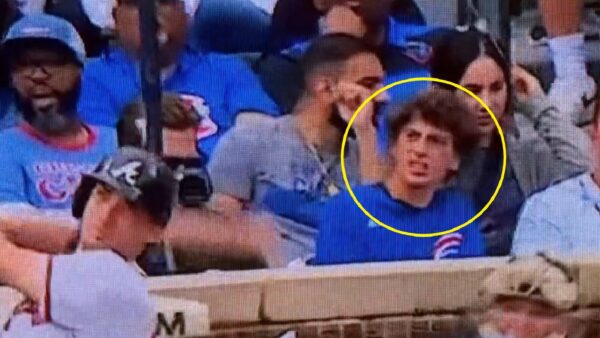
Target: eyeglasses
[{"x": 48, "y": 67}]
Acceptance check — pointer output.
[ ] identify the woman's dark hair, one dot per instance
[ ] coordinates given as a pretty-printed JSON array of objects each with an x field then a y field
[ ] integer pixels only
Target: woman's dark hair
[
  {"x": 455, "y": 51},
  {"x": 440, "y": 108}
]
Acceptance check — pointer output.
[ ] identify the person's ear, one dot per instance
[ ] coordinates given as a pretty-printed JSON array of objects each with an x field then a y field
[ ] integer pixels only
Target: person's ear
[
  {"x": 455, "y": 162},
  {"x": 321, "y": 85}
]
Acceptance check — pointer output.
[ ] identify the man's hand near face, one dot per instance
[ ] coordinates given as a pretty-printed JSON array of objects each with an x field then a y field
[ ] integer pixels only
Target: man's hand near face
[{"x": 349, "y": 97}]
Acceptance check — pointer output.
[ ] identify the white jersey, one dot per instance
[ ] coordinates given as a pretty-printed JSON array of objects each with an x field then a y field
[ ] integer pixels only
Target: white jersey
[{"x": 90, "y": 294}]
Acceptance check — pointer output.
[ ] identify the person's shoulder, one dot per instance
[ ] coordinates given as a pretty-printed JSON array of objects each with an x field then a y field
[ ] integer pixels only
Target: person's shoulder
[
  {"x": 366, "y": 194},
  {"x": 105, "y": 64},
  {"x": 104, "y": 132},
  {"x": 454, "y": 194},
  {"x": 122, "y": 290},
  {"x": 104, "y": 265},
  {"x": 9, "y": 136},
  {"x": 252, "y": 132},
  {"x": 224, "y": 63},
  {"x": 262, "y": 126},
  {"x": 10, "y": 132},
  {"x": 97, "y": 64},
  {"x": 570, "y": 186},
  {"x": 93, "y": 257},
  {"x": 367, "y": 189}
]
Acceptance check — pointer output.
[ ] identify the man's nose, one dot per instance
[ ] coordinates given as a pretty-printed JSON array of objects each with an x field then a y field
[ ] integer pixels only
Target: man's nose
[
  {"x": 485, "y": 97},
  {"x": 38, "y": 73}
]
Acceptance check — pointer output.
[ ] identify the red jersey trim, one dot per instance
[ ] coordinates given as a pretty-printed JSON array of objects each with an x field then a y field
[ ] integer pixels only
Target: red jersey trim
[{"x": 33, "y": 133}]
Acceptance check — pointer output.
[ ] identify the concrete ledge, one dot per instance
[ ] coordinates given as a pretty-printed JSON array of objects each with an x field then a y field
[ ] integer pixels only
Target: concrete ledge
[
  {"x": 322, "y": 293},
  {"x": 345, "y": 292}
]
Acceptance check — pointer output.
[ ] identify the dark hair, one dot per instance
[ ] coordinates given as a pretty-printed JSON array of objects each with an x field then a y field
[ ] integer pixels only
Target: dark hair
[
  {"x": 455, "y": 51},
  {"x": 440, "y": 108},
  {"x": 173, "y": 114},
  {"x": 329, "y": 52}
]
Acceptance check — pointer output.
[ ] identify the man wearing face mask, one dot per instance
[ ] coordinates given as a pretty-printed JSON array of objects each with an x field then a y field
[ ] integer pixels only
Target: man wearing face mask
[
  {"x": 43, "y": 157},
  {"x": 287, "y": 163},
  {"x": 222, "y": 84}
]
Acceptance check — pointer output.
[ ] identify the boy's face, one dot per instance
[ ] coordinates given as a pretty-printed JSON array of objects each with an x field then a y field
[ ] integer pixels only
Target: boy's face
[{"x": 424, "y": 155}]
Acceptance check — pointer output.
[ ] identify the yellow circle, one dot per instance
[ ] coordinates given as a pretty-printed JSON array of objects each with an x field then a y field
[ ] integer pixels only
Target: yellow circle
[{"x": 433, "y": 234}]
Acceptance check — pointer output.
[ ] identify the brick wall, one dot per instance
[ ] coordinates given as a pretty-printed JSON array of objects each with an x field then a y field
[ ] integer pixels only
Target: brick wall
[{"x": 388, "y": 327}]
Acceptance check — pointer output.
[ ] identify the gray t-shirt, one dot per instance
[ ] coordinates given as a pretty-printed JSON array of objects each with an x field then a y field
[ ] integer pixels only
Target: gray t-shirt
[{"x": 270, "y": 158}]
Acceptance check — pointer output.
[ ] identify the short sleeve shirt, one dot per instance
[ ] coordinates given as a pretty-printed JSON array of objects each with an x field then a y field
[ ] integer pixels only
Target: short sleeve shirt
[
  {"x": 564, "y": 219},
  {"x": 42, "y": 175},
  {"x": 347, "y": 235},
  {"x": 90, "y": 294},
  {"x": 269, "y": 163},
  {"x": 223, "y": 84}
]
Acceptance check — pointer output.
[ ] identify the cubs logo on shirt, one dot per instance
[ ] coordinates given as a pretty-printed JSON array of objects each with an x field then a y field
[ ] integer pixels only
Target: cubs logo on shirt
[
  {"x": 207, "y": 126},
  {"x": 57, "y": 181},
  {"x": 447, "y": 245}
]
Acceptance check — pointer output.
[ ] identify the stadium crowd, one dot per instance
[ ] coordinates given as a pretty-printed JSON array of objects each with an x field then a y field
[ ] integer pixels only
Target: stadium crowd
[
  {"x": 257, "y": 98},
  {"x": 258, "y": 115}
]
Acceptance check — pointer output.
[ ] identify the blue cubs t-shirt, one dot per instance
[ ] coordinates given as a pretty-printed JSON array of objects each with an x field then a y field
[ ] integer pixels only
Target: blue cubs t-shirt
[
  {"x": 220, "y": 86},
  {"x": 45, "y": 176},
  {"x": 347, "y": 235}
]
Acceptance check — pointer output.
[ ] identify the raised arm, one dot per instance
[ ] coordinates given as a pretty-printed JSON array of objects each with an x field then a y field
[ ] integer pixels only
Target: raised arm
[
  {"x": 569, "y": 145},
  {"x": 372, "y": 164}
]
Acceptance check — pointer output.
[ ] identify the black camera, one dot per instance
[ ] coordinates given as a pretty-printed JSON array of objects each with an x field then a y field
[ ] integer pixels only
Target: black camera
[{"x": 195, "y": 187}]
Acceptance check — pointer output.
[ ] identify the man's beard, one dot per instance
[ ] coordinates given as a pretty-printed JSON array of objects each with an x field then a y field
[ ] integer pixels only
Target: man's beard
[
  {"x": 57, "y": 118},
  {"x": 336, "y": 120},
  {"x": 339, "y": 123}
]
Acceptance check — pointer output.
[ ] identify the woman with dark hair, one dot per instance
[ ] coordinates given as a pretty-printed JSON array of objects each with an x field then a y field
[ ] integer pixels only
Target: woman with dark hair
[{"x": 543, "y": 145}]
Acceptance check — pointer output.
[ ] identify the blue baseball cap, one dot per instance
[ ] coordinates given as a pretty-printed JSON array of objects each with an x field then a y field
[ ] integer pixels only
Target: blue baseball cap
[{"x": 46, "y": 27}]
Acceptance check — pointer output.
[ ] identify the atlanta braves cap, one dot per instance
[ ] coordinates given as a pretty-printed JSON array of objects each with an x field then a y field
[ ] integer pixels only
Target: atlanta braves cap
[
  {"x": 138, "y": 176},
  {"x": 44, "y": 26}
]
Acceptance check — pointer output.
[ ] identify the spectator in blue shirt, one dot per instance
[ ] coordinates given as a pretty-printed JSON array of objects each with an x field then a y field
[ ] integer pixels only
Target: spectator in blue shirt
[
  {"x": 42, "y": 159},
  {"x": 564, "y": 218},
  {"x": 224, "y": 85},
  {"x": 427, "y": 138}
]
